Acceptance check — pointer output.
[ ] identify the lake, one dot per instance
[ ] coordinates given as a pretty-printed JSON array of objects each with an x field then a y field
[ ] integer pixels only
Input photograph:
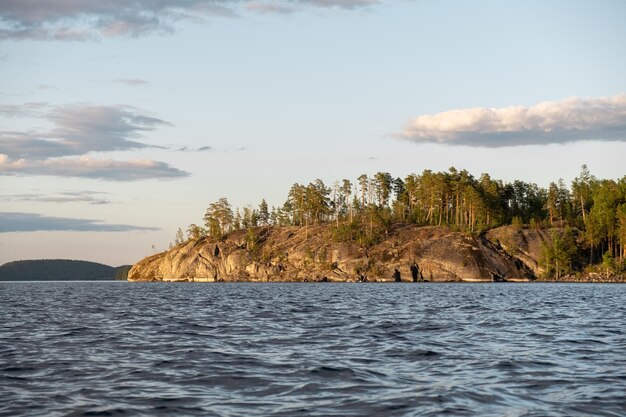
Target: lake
[{"x": 244, "y": 349}]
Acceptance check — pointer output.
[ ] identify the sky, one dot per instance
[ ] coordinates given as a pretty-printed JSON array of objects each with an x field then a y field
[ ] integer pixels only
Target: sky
[{"x": 122, "y": 121}]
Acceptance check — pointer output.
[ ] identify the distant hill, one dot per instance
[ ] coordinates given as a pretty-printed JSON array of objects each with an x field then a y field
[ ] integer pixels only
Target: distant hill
[{"x": 60, "y": 270}]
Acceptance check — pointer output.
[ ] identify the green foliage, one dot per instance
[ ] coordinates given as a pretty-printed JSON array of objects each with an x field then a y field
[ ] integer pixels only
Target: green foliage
[
  {"x": 534, "y": 224},
  {"x": 219, "y": 218},
  {"x": 252, "y": 240},
  {"x": 250, "y": 218},
  {"x": 195, "y": 232},
  {"x": 608, "y": 263},
  {"x": 360, "y": 233},
  {"x": 264, "y": 215},
  {"x": 560, "y": 257},
  {"x": 363, "y": 211},
  {"x": 382, "y": 186},
  {"x": 525, "y": 200},
  {"x": 346, "y": 232}
]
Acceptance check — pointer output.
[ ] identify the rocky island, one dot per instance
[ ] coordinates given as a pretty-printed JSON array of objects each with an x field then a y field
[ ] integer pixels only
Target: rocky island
[
  {"x": 409, "y": 253},
  {"x": 443, "y": 226}
]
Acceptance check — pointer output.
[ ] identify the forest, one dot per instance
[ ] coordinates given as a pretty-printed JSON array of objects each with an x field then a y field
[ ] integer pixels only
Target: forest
[{"x": 587, "y": 218}]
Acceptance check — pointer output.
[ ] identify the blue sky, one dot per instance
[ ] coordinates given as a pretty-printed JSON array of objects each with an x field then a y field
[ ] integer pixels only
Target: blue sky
[{"x": 119, "y": 124}]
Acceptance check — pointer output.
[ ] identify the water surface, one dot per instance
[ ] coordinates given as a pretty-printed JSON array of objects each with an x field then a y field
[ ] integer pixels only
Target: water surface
[{"x": 233, "y": 349}]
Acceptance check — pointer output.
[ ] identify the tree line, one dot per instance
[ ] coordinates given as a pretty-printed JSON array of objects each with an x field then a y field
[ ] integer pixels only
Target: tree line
[{"x": 590, "y": 212}]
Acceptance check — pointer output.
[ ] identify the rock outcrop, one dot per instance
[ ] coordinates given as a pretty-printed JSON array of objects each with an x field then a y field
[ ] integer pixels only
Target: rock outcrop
[
  {"x": 407, "y": 253},
  {"x": 524, "y": 244}
]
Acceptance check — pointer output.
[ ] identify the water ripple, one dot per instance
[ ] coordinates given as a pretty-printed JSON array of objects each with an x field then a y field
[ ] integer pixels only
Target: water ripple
[{"x": 113, "y": 348}]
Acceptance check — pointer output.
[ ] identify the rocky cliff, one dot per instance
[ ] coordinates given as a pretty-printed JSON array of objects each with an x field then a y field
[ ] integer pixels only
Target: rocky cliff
[
  {"x": 522, "y": 243},
  {"x": 406, "y": 253}
]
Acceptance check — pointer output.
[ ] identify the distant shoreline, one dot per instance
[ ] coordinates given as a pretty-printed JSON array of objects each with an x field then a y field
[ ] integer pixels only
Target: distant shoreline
[{"x": 61, "y": 270}]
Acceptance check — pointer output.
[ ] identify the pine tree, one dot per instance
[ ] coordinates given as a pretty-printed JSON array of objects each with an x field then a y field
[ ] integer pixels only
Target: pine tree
[
  {"x": 179, "y": 237},
  {"x": 552, "y": 202},
  {"x": 264, "y": 215},
  {"x": 346, "y": 189},
  {"x": 219, "y": 218},
  {"x": 582, "y": 191},
  {"x": 363, "y": 183},
  {"x": 194, "y": 231},
  {"x": 383, "y": 184}
]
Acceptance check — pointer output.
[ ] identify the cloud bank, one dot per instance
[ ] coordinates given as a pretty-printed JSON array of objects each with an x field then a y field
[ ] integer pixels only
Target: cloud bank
[
  {"x": 32, "y": 109},
  {"x": 88, "y": 19},
  {"x": 78, "y": 130},
  {"x": 570, "y": 120},
  {"x": 32, "y": 222},
  {"x": 89, "y": 197},
  {"x": 86, "y": 167}
]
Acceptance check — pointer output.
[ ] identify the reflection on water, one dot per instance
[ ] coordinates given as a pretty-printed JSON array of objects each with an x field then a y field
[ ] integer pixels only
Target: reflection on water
[{"x": 116, "y": 348}]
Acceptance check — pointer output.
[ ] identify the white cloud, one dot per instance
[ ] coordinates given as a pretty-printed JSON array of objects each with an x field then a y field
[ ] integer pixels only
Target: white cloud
[
  {"x": 573, "y": 119},
  {"x": 87, "y": 167}
]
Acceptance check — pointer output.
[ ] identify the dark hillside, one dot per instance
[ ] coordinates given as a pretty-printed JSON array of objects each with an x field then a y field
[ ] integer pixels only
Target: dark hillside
[{"x": 56, "y": 270}]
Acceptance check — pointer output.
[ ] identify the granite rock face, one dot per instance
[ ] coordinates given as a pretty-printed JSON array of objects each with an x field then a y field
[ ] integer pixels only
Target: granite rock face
[
  {"x": 407, "y": 253},
  {"x": 525, "y": 244}
]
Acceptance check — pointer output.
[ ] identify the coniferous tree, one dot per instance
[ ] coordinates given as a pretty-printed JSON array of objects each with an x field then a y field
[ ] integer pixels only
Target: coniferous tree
[
  {"x": 454, "y": 199},
  {"x": 582, "y": 188},
  {"x": 383, "y": 186},
  {"x": 195, "y": 232},
  {"x": 364, "y": 186},
  {"x": 179, "y": 237},
  {"x": 560, "y": 256},
  {"x": 237, "y": 221},
  {"x": 264, "y": 215},
  {"x": 219, "y": 217},
  {"x": 297, "y": 202},
  {"x": 552, "y": 202},
  {"x": 346, "y": 190}
]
